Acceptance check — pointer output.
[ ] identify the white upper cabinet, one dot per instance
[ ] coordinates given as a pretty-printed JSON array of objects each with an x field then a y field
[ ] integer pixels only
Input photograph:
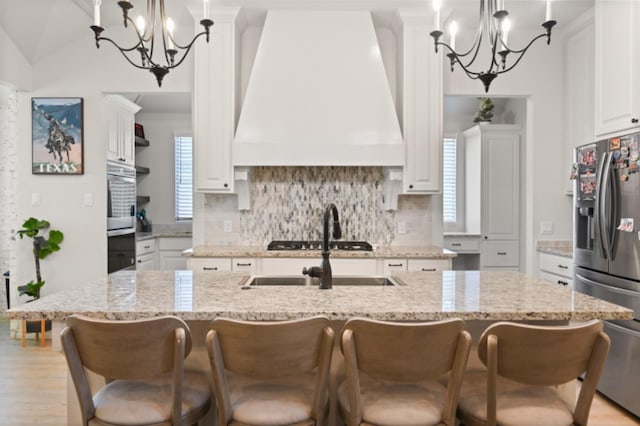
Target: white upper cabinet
[
  {"x": 422, "y": 105},
  {"x": 120, "y": 115},
  {"x": 214, "y": 105},
  {"x": 579, "y": 90},
  {"x": 617, "y": 72},
  {"x": 493, "y": 181}
]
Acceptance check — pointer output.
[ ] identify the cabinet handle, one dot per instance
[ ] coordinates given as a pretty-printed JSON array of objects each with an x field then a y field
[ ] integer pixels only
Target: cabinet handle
[
  {"x": 147, "y": 246},
  {"x": 634, "y": 121},
  {"x": 501, "y": 253},
  {"x": 563, "y": 282},
  {"x": 394, "y": 265},
  {"x": 429, "y": 269},
  {"x": 139, "y": 261},
  {"x": 456, "y": 244},
  {"x": 563, "y": 267},
  {"x": 243, "y": 264},
  {"x": 204, "y": 268}
]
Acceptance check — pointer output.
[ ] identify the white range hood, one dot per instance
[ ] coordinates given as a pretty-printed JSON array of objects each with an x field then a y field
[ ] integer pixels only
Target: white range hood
[{"x": 318, "y": 95}]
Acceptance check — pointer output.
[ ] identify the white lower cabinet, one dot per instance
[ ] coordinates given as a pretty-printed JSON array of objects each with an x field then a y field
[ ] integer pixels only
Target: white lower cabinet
[
  {"x": 428, "y": 265},
  {"x": 205, "y": 264},
  {"x": 393, "y": 265},
  {"x": 500, "y": 255},
  {"x": 146, "y": 255},
  {"x": 170, "y": 253},
  {"x": 556, "y": 269}
]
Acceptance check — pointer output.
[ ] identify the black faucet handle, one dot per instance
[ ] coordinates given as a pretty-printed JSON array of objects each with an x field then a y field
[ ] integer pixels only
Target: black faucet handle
[{"x": 313, "y": 272}]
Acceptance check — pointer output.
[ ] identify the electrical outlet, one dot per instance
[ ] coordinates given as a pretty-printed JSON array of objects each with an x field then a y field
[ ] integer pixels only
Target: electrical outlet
[
  {"x": 88, "y": 199},
  {"x": 546, "y": 228},
  {"x": 35, "y": 199},
  {"x": 227, "y": 226},
  {"x": 402, "y": 227}
]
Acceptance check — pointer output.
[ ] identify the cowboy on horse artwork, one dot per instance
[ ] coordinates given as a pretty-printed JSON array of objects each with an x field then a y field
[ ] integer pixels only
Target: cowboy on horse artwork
[
  {"x": 58, "y": 141},
  {"x": 57, "y": 133}
]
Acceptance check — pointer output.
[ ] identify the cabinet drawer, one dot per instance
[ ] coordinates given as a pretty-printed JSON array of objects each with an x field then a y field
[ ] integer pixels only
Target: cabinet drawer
[
  {"x": 500, "y": 253},
  {"x": 558, "y": 265},
  {"x": 462, "y": 244},
  {"x": 394, "y": 265},
  {"x": 428, "y": 265},
  {"x": 244, "y": 264},
  {"x": 294, "y": 266},
  {"x": 209, "y": 264},
  {"x": 145, "y": 246},
  {"x": 556, "y": 279}
]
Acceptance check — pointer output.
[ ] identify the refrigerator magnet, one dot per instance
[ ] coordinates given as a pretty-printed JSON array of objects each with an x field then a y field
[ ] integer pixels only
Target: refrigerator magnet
[{"x": 626, "y": 224}]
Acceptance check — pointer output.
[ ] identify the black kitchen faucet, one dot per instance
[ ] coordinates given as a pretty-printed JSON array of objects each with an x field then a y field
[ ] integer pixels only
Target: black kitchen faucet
[{"x": 324, "y": 270}]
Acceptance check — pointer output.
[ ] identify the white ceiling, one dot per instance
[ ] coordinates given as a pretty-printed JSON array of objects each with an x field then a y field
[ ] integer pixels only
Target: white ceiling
[{"x": 43, "y": 27}]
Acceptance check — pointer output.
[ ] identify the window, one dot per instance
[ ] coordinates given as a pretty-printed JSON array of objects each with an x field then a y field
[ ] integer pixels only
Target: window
[
  {"x": 184, "y": 177},
  {"x": 449, "y": 181}
]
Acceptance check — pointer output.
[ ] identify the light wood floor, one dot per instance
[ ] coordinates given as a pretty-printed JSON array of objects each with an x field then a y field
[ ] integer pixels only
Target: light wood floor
[{"x": 33, "y": 387}]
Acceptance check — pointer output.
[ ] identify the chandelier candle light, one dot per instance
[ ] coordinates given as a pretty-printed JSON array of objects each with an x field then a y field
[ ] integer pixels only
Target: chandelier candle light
[
  {"x": 145, "y": 32},
  {"x": 493, "y": 23}
]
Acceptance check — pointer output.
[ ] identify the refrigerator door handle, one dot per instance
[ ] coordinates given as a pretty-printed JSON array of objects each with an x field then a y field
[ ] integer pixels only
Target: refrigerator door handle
[{"x": 603, "y": 188}]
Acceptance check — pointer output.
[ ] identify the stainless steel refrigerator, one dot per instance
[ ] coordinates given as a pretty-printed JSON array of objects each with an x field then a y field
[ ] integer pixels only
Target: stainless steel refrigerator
[{"x": 607, "y": 252}]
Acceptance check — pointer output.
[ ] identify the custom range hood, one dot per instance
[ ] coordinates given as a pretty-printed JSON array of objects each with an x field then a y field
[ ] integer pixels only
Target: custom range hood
[{"x": 318, "y": 95}]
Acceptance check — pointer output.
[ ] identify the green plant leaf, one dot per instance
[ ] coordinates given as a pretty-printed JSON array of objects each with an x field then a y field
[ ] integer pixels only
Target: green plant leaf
[
  {"x": 31, "y": 289},
  {"x": 55, "y": 236}
]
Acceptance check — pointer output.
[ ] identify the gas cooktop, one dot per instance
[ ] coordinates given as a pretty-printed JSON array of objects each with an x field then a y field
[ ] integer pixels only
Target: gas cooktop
[{"x": 317, "y": 245}]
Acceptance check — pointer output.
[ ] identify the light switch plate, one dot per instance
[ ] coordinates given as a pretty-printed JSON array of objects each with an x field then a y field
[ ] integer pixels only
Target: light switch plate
[
  {"x": 546, "y": 228},
  {"x": 88, "y": 199},
  {"x": 35, "y": 199},
  {"x": 402, "y": 227},
  {"x": 227, "y": 226}
]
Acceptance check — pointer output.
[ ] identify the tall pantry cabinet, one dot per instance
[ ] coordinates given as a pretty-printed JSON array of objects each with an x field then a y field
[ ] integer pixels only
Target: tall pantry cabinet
[{"x": 492, "y": 193}]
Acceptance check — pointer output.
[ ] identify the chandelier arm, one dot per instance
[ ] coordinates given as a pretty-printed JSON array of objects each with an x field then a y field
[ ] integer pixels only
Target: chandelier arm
[
  {"x": 186, "y": 49},
  {"x": 123, "y": 51},
  {"x": 528, "y": 45},
  {"x": 520, "y": 54}
]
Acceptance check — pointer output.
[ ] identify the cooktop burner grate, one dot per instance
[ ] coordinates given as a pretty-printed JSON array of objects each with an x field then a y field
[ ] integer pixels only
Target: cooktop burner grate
[{"x": 317, "y": 245}]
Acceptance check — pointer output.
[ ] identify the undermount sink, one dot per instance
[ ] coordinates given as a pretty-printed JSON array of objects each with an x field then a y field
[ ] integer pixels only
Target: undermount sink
[{"x": 345, "y": 280}]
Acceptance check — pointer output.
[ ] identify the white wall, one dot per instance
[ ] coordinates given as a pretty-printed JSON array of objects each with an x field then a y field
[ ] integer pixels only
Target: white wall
[
  {"x": 159, "y": 156},
  {"x": 539, "y": 78},
  {"x": 14, "y": 67},
  {"x": 84, "y": 72}
]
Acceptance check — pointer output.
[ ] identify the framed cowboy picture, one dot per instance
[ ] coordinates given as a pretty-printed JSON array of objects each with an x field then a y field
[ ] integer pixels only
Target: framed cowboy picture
[{"x": 57, "y": 136}]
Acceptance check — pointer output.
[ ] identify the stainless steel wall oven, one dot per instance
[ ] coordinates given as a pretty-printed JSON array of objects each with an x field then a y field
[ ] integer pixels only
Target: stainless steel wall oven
[{"x": 121, "y": 217}]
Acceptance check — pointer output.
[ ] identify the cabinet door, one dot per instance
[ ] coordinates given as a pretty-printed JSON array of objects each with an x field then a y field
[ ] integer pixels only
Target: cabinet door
[
  {"x": 556, "y": 279},
  {"x": 214, "y": 112},
  {"x": 422, "y": 106},
  {"x": 113, "y": 134},
  {"x": 557, "y": 265},
  {"x": 617, "y": 74},
  {"x": 127, "y": 145},
  {"x": 499, "y": 254},
  {"x": 500, "y": 183},
  {"x": 145, "y": 262}
]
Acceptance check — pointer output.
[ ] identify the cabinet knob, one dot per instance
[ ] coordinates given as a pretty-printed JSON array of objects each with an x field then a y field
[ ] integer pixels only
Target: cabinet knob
[
  {"x": 410, "y": 186},
  {"x": 634, "y": 121},
  {"x": 226, "y": 185}
]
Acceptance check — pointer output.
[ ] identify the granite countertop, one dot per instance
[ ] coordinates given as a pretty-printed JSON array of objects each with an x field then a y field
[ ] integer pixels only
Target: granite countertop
[
  {"x": 557, "y": 247},
  {"x": 142, "y": 236},
  {"x": 426, "y": 252},
  {"x": 471, "y": 295}
]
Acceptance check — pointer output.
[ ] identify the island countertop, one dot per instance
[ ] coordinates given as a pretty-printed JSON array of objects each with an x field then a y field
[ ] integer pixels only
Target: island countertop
[{"x": 470, "y": 295}]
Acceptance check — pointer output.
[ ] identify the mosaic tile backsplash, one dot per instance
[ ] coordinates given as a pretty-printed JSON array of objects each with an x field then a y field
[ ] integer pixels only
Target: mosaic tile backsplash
[{"x": 288, "y": 203}]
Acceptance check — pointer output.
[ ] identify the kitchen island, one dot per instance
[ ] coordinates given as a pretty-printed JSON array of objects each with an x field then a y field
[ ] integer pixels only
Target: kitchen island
[{"x": 478, "y": 297}]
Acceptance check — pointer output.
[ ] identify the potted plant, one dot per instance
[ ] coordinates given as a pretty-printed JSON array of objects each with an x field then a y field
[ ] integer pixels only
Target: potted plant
[
  {"x": 485, "y": 113},
  {"x": 42, "y": 247}
]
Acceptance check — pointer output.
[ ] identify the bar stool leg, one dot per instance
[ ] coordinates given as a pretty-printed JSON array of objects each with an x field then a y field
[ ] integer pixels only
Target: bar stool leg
[
  {"x": 24, "y": 333},
  {"x": 43, "y": 333}
]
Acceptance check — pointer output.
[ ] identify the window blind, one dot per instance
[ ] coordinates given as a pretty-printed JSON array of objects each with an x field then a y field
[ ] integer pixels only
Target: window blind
[
  {"x": 184, "y": 177},
  {"x": 449, "y": 154}
]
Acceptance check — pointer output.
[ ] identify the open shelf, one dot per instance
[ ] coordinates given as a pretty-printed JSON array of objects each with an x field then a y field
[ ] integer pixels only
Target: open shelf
[
  {"x": 141, "y": 141},
  {"x": 141, "y": 199}
]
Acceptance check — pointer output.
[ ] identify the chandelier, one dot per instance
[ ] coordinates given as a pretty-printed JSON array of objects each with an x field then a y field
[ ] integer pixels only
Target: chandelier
[
  {"x": 174, "y": 53},
  {"x": 493, "y": 23}
]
